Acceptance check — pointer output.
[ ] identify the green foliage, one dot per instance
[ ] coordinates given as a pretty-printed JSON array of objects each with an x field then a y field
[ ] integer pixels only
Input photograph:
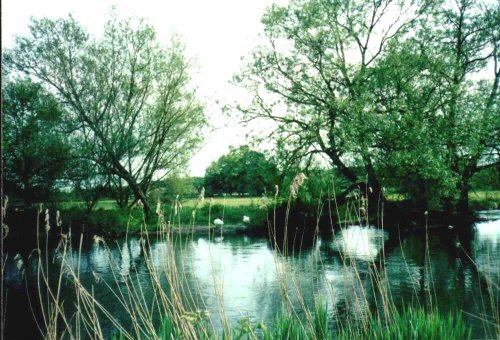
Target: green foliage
[
  {"x": 401, "y": 90},
  {"x": 488, "y": 179},
  {"x": 414, "y": 323},
  {"x": 185, "y": 187},
  {"x": 242, "y": 171},
  {"x": 112, "y": 222},
  {"x": 36, "y": 152},
  {"x": 129, "y": 99}
]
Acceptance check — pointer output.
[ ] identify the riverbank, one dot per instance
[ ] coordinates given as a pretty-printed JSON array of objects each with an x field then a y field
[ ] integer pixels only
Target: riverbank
[{"x": 240, "y": 215}]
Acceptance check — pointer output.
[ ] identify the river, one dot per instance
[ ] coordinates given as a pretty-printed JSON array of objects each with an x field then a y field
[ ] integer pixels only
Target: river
[{"x": 246, "y": 277}]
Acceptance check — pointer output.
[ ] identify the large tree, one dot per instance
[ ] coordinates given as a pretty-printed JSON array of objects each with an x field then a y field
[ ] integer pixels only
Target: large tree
[
  {"x": 129, "y": 99},
  {"x": 242, "y": 171},
  {"x": 469, "y": 42},
  {"x": 35, "y": 150},
  {"x": 396, "y": 88},
  {"x": 310, "y": 78},
  {"x": 435, "y": 99}
]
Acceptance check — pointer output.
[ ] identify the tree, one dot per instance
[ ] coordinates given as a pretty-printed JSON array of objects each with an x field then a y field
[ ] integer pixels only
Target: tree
[
  {"x": 437, "y": 104},
  {"x": 242, "y": 171},
  {"x": 35, "y": 150},
  {"x": 470, "y": 44},
  {"x": 310, "y": 79},
  {"x": 129, "y": 99},
  {"x": 396, "y": 88},
  {"x": 90, "y": 183}
]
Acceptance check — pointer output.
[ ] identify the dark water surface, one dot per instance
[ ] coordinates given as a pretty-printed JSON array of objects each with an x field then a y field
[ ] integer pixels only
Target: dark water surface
[{"x": 443, "y": 267}]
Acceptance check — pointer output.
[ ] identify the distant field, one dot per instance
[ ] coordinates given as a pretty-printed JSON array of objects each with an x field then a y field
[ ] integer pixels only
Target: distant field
[
  {"x": 103, "y": 204},
  {"x": 485, "y": 195},
  {"x": 226, "y": 201},
  {"x": 475, "y": 197}
]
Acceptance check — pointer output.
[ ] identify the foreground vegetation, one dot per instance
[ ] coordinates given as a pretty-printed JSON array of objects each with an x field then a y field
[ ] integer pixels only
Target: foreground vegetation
[{"x": 412, "y": 323}]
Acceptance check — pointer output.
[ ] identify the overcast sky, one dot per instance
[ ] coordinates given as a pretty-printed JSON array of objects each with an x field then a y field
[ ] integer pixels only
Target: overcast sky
[{"x": 217, "y": 33}]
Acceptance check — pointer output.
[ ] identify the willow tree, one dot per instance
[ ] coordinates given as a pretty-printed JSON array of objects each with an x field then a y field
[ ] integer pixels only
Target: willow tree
[
  {"x": 129, "y": 99},
  {"x": 310, "y": 77}
]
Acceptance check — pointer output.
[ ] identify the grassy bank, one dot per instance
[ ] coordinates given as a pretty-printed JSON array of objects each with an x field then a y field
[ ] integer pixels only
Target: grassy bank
[
  {"x": 108, "y": 219},
  {"x": 410, "y": 323},
  {"x": 484, "y": 200}
]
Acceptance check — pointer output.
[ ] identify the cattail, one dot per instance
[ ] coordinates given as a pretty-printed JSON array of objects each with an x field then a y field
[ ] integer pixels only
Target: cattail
[
  {"x": 296, "y": 184},
  {"x": 201, "y": 198},
  {"x": 58, "y": 219},
  {"x": 97, "y": 277},
  {"x": 98, "y": 239},
  {"x": 47, "y": 220},
  {"x": 18, "y": 260},
  {"x": 263, "y": 202},
  {"x": 158, "y": 208},
  {"x": 4, "y": 207}
]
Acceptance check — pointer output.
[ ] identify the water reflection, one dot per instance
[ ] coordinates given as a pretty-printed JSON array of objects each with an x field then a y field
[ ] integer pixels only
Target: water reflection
[
  {"x": 249, "y": 278},
  {"x": 486, "y": 249},
  {"x": 363, "y": 243}
]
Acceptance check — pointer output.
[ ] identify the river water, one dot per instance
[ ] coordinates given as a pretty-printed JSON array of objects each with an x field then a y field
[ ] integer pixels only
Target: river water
[{"x": 245, "y": 277}]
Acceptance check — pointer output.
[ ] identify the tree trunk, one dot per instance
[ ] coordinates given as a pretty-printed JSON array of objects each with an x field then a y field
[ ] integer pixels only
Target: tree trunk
[
  {"x": 422, "y": 201},
  {"x": 375, "y": 194},
  {"x": 27, "y": 194},
  {"x": 463, "y": 201},
  {"x": 136, "y": 190}
]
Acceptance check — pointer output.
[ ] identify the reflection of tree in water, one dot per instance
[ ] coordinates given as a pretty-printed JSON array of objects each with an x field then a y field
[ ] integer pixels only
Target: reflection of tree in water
[{"x": 250, "y": 273}]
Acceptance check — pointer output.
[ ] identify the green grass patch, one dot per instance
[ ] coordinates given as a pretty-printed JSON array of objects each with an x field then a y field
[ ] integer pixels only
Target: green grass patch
[
  {"x": 102, "y": 204},
  {"x": 484, "y": 200},
  {"x": 411, "y": 323},
  {"x": 108, "y": 219},
  {"x": 205, "y": 214},
  {"x": 226, "y": 201}
]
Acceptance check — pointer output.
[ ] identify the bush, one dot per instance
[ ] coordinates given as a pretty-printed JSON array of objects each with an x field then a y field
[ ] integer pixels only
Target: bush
[{"x": 103, "y": 221}]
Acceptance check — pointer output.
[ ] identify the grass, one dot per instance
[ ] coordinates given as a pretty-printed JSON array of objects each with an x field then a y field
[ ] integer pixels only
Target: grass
[
  {"x": 484, "y": 200},
  {"x": 226, "y": 201},
  {"x": 229, "y": 201},
  {"x": 411, "y": 323},
  {"x": 102, "y": 204},
  {"x": 108, "y": 219}
]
